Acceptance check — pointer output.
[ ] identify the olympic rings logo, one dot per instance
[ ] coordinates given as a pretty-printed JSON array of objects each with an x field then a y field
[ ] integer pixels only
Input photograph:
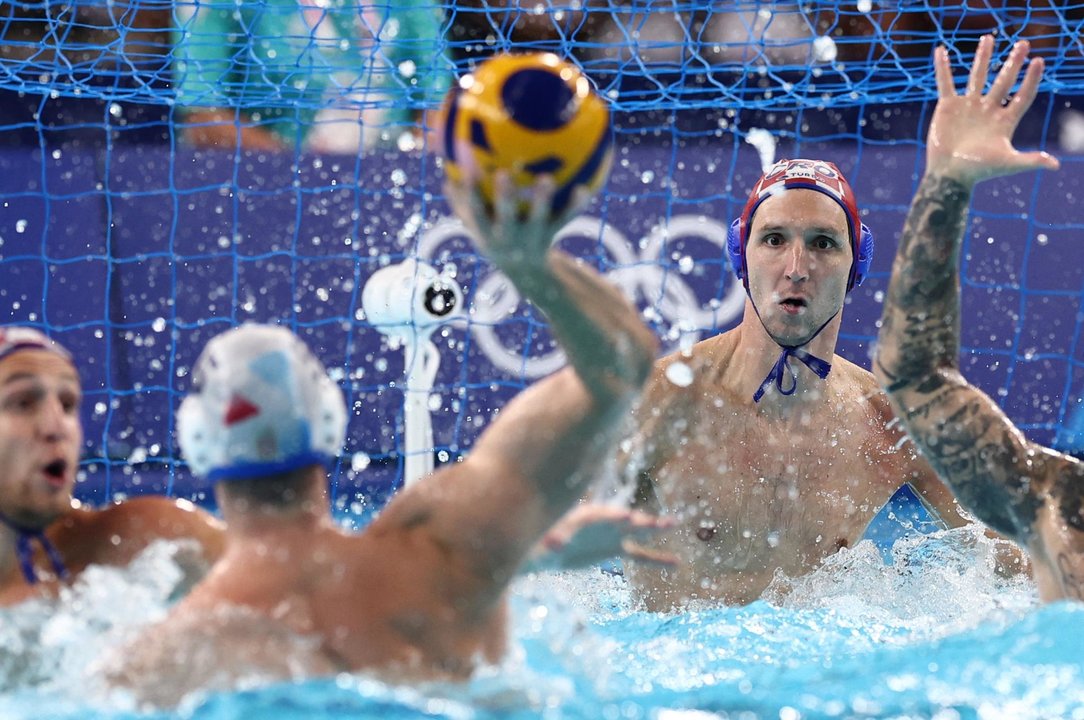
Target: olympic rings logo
[{"x": 640, "y": 270}]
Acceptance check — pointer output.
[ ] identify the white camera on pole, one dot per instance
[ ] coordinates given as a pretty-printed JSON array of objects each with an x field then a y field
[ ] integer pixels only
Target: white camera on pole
[{"x": 407, "y": 302}]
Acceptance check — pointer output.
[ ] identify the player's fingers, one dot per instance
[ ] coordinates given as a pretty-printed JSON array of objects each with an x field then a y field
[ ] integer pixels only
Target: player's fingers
[
  {"x": 1029, "y": 88},
  {"x": 578, "y": 200},
  {"x": 980, "y": 68},
  {"x": 479, "y": 218},
  {"x": 460, "y": 199},
  {"x": 1039, "y": 160},
  {"x": 453, "y": 193},
  {"x": 635, "y": 551},
  {"x": 504, "y": 200},
  {"x": 555, "y": 540},
  {"x": 541, "y": 198},
  {"x": 946, "y": 86},
  {"x": 1006, "y": 77},
  {"x": 641, "y": 519}
]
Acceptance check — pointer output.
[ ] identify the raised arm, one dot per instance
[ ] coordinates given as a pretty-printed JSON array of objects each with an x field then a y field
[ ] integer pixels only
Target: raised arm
[
  {"x": 608, "y": 346},
  {"x": 973, "y": 446},
  {"x": 537, "y": 457}
]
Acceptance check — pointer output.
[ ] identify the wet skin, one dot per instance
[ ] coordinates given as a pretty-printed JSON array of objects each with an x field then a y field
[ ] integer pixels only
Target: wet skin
[
  {"x": 41, "y": 436},
  {"x": 780, "y": 484}
]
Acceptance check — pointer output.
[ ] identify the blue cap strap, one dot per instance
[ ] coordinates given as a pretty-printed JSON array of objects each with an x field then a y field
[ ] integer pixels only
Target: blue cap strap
[
  {"x": 776, "y": 374},
  {"x": 24, "y": 550}
]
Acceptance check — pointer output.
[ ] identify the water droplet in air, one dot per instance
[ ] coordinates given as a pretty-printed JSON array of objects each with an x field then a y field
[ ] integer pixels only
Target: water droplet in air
[
  {"x": 824, "y": 49},
  {"x": 679, "y": 374},
  {"x": 359, "y": 461}
]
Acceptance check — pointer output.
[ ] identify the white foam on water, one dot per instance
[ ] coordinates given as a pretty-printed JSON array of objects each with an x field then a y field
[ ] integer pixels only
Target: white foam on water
[
  {"x": 50, "y": 645},
  {"x": 579, "y": 645},
  {"x": 937, "y": 585}
]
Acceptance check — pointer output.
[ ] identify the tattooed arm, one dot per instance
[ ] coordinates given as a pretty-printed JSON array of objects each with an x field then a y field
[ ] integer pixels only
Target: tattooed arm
[{"x": 972, "y": 445}]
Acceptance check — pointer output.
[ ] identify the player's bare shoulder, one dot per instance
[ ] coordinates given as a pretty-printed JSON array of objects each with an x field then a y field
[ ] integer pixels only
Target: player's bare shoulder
[
  {"x": 689, "y": 375},
  {"x": 867, "y": 412},
  {"x": 117, "y": 532},
  {"x": 158, "y": 516},
  {"x": 860, "y": 386}
]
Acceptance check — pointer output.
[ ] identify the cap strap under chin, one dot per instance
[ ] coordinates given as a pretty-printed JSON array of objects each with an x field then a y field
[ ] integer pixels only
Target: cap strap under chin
[
  {"x": 24, "y": 550},
  {"x": 776, "y": 374},
  {"x": 782, "y": 368}
]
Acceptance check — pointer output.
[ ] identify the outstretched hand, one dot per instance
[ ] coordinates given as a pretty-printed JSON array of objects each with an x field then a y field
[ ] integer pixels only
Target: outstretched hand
[
  {"x": 592, "y": 533},
  {"x": 511, "y": 237},
  {"x": 970, "y": 136}
]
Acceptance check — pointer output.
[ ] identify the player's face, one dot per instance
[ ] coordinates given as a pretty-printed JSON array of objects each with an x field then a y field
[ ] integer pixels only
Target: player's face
[
  {"x": 798, "y": 257},
  {"x": 40, "y": 436}
]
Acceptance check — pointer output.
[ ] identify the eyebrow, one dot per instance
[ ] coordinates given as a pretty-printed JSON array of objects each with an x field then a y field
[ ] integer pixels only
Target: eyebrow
[
  {"x": 16, "y": 377},
  {"x": 24, "y": 375},
  {"x": 818, "y": 229}
]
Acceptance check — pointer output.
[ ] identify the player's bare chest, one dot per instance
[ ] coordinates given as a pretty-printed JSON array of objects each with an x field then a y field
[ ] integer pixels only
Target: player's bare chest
[{"x": 729, "y": 467}]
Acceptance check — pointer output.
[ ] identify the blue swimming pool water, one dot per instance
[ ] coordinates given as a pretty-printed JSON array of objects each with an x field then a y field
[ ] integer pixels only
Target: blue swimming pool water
[{"x": 935, "y": 635}]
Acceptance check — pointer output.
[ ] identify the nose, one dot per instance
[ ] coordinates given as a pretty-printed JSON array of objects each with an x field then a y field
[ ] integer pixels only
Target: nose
[
  {"x": 53, "y": 421},
  {"x": 798, "y": 264}
]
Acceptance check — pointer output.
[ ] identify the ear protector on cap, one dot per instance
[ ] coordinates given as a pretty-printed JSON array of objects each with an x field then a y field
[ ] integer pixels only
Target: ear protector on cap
[{"x": 863, "y": 253}]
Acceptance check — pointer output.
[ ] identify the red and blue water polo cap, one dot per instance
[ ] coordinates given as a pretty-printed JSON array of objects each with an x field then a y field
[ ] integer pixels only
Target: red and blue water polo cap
[{"x": 819, "y": 175}]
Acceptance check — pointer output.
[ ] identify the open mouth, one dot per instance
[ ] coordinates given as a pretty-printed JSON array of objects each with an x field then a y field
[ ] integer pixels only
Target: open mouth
[
  {"x": 56, "y": 470},
  {"x": 793, "y": 305}
]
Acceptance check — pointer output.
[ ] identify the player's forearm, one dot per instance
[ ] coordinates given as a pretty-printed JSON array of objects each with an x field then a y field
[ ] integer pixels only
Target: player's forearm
[
  {"x": 599, "y": 330},
  {"x": 920, "y": 329},
  {"x": 969, "y": 442}
]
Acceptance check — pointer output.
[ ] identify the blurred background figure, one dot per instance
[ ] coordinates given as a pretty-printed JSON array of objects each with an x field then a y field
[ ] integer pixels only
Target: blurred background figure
[
  {"x": 478, "y": 28},
  {"x": 329, "y": 77},
  {"x": 121, "y": 47}
]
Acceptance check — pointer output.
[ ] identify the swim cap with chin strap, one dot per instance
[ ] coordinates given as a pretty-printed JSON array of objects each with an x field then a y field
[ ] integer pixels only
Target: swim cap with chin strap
[
  {"x": 261, "y": 404},
  {"x": 14, "y": 338},
  {"x": 824, "y": 177}
]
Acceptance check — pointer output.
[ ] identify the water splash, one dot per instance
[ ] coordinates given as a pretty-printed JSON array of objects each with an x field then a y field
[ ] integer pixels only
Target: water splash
[{"x": 938, "y": 633}]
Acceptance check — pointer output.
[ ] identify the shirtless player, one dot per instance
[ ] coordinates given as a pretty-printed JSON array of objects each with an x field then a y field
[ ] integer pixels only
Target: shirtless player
[
  {"x": 1025, "y": 491},
  {"x": 47, "y": 537},
  {"x": 419, "y": 594},
  {"x": 770, "y": 459}
]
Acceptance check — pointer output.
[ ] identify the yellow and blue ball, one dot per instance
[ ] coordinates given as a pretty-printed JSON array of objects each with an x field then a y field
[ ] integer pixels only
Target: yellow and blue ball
[{"x": 529, "y": 114}]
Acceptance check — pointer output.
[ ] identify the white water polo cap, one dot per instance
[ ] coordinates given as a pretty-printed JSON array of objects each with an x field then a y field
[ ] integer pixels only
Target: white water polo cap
[{"x": 261, "y": 404}]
